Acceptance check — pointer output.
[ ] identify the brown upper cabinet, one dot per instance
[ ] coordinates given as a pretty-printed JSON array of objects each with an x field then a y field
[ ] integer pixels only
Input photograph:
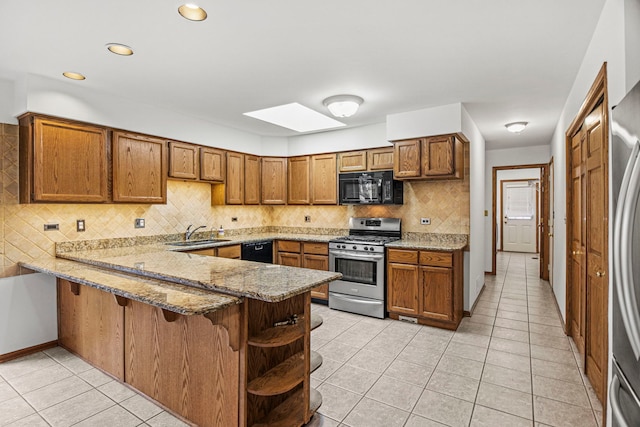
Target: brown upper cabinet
[
  {"x": 436, "y": 157},
  {"x": 298, "y": 180},
  {"x": 274, "y": 180},
  {"x": 212, "y": 164},
  {"x": 139, "y": 168},
  {"x": 353, "y": 161},
  {"x": 251, "y": 180},
  {"x": 62, "y": 161},
  {"x": 380, "y": 158},
  {"x": 183, "y": 160},
  {"x": 235, "y": 179},
  {"x": 324, "y": 185},
  {"x": 366, "y": 160}
]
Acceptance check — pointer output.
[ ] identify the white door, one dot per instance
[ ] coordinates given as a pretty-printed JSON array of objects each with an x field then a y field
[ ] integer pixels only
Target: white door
[{"x": 519, "y": 216}]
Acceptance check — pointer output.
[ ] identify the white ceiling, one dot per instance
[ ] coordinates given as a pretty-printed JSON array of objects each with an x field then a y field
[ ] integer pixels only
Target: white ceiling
[{"x": 505, "y": 60}]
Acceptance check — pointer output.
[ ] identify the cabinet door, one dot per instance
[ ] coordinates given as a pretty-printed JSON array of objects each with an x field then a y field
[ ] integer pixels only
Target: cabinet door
[
  {"x": 212, "y": 164},
  {"x": 406, "y": 158},
  {"x": 69, "y": 162},
  {"x": 381, "y": 159},
  {"x": 317, "y": 262},
  {"x": 139, "y": 168},
  {"x": 353, "y": 161},
  {"x": 233, "y": 251},
  {"x": 183, "y": 160},
  {"x": 274, "y": 180},
  {"x": 324, "y": 185},
  {"x": 289, "y": 259},
  {"x": 235, "y": 179},
  {"x": 402, "y": 288},
  {"x": 298, "y": 182},
  {"x": 436, "y": 292},
  {"x": 251, "y": 180},
  {"x": 437, "y": 156}
]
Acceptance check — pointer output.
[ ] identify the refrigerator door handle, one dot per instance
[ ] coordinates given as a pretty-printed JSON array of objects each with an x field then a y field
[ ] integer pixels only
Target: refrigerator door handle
[
  {"x": 614, "y": 396},
  {"x": 622, "y": 246}
]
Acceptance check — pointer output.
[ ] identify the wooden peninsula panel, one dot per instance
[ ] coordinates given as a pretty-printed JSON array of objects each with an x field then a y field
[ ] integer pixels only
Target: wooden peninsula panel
[
  {"x": 91, "y": 324},
  {"x": 190, "y": 364}
]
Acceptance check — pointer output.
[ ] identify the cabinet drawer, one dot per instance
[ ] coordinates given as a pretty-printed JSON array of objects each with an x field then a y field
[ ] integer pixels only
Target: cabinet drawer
[
  {"x": 439, "y": 259},
  {"x": 229, "y": 251},
  {"x": 316, "y": 248},
  {"x": 402, "y": 256},
  {"x": 288, "y": 246},
  {"x": 208, "y": 251}
]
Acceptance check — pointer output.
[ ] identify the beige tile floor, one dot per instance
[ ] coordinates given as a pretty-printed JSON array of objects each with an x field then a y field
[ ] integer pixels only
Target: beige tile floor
[{"x": 508, "y": 365}]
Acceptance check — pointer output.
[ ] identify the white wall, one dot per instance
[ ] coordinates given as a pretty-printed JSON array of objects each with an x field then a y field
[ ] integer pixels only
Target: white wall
[
  {"x": 509, "y": 175},
  {"x": 632, "y": 42},
  {"x": 28, "y": 313},
  {"x": 71, "y": 100},
  {"x": 474, "y": 279},
  {"x": 339, "y": 140},
  {"x": 607, "y": 44},
  {"x": 428, "y": 121},
  {"x": 506, "y": 157}
]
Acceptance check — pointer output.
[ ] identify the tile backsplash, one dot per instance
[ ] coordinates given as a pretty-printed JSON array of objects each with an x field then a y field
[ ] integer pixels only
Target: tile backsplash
[{"x": 22, "y": 234}]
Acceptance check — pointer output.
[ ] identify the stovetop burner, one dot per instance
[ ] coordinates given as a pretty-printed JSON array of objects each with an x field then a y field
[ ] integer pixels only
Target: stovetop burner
[
  {"x": 371, "y": 231},
  {"x": 370, "y": 240}
]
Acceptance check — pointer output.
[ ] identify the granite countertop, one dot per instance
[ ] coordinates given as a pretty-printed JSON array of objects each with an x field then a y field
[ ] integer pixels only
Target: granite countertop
[
  {"x": 267, "y": 282},
  {"x": 433, "y": 242},
  {"x": 181, "y": 299}
]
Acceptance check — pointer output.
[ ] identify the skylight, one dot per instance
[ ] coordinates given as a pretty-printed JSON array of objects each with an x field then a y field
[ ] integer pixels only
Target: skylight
[{"x": 295, "y": 117}]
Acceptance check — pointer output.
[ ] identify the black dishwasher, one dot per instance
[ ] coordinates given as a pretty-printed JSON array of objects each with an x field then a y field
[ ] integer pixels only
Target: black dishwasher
[{"x": 258, "y": 251}]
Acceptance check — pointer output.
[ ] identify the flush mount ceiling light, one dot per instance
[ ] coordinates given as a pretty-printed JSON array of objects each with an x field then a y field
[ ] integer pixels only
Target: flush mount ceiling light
[
  {"x": 296, "y": 117},
  {"x": 119, "y": 49},
  {"x": 343, "y": 105},
  {"x": 516, "y": 127},
  {"x": 73, "y": 76},
  {"x": 192, "y": 12}
]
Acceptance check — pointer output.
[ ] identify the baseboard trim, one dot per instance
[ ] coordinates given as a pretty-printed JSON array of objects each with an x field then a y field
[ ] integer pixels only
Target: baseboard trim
[
  {"x": 470, "y": 312},
  {"x": 27, "y": 351}
]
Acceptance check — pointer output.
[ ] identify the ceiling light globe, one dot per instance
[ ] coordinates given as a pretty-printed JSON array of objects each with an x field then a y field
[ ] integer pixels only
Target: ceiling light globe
[
  {"x": 343, "y": 105},
  {"x": 192, "y": 12},
  {"x": 516, "y": 127},
  {"x": 120, "y": 49}
]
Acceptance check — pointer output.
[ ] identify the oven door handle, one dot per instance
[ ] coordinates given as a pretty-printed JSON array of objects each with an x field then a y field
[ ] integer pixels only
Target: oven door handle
[
  {"x": 356, "y": 256},
  {"x": 358, "y": 300}
]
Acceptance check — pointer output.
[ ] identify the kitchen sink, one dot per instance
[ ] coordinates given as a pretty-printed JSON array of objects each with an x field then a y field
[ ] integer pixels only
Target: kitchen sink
[{"x": 197, "y": 242}]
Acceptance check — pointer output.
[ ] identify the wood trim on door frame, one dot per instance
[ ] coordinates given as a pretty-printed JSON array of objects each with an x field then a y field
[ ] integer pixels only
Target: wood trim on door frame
[
  {"x": 494, "y": 183},
  {"x": 597, "y": 93},
  {"x": 545, "y": 245}
]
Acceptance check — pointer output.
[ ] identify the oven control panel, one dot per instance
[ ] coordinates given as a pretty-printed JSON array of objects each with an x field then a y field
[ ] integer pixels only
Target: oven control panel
[{"x": 356, "y": 247}]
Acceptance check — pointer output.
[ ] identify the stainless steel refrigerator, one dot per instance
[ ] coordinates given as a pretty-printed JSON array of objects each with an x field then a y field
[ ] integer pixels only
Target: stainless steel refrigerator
[{"x": 624, "y": 391}]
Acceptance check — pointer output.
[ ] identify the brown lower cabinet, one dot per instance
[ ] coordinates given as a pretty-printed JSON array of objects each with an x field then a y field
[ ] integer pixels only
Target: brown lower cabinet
[
  {"x": 425, "y": 285},
  {"x": 307, "y": 255},
  {"x": 230, "y": 368},
  {"x": 232, "y": 251}
]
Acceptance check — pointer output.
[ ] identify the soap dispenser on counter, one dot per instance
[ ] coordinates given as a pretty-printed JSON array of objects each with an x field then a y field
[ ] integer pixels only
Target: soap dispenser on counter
[{"x": 220, "y": 232}]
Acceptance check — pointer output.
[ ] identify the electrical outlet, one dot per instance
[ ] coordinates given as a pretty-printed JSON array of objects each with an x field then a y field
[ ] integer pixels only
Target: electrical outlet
[
  {"x": 307, "y": 218},
  {"x": 139, "y": 223},
  {"x": 80, "y": 225},
  {"x": 234, "y": 219},
  {"x": 425, "y": 221},
  {"x": 51, "y": 227}
]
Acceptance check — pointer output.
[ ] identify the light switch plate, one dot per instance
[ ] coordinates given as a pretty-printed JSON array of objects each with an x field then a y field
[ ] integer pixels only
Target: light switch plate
[
  {"x": 139, "y": 223},
  {"x": 307, "y": 218},
  {"x": 80, "y": 226}
]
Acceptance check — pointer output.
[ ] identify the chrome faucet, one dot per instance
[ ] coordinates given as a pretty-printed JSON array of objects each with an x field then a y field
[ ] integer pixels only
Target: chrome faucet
[{"x": 190, "y": 232}]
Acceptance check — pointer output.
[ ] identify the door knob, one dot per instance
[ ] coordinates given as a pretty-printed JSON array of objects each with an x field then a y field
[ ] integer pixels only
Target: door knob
[
  {"x": 600, "y": 273},
  {"x": 550, "y": 234}
]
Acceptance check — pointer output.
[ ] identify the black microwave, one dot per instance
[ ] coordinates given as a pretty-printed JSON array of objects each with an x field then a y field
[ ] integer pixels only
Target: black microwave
[{"x": 370, "y": 188}]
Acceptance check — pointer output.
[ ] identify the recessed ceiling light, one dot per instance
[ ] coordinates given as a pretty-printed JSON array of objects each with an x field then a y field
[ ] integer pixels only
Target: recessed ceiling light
[
  {"x": 192, "y": 12},
  {"x": 73, "y": 76},
  {"x": 119, "y": 49},
  {"x": 343, "y": 105},
  {"x": 295, "y": 117},
  {"x": 516, "y": 127}
]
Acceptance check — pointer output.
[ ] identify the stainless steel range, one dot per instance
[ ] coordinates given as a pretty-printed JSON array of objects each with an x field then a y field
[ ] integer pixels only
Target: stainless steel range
[{"x": 360, "y": 257}]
